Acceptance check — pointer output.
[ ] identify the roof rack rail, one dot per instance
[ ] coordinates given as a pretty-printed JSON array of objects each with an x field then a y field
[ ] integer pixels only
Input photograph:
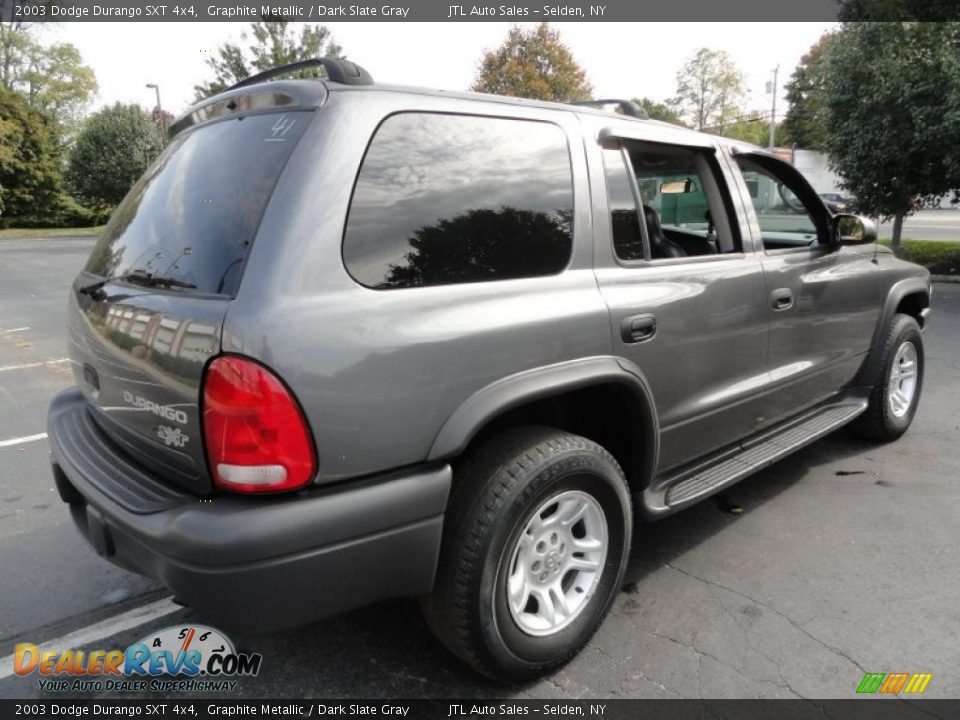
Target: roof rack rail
[
  {"x": 338, "y": 70},
  {"x": 627, "y": 107}
]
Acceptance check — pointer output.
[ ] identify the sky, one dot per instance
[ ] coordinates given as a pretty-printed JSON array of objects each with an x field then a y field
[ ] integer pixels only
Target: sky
[{"x": 622, "y": 60}]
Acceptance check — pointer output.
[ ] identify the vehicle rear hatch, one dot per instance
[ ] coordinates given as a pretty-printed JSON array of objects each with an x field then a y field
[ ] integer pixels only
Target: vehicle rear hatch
[{"x": 146, "y": 312}]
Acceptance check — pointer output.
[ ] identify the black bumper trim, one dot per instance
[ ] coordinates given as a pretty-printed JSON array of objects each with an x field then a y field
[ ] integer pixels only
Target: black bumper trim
[
  {"x": 259, "y": 564},
  {"x": 76, "y": 435}
]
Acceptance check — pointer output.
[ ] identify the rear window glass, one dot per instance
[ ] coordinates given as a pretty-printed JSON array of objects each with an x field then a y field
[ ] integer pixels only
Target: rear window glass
[
  {"x": 193, "y": 215},
  {"x": 446, "y": 199}
]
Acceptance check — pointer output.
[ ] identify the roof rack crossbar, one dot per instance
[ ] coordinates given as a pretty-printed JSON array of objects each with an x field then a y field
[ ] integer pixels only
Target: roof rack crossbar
[
  {"x": 627, "y": 107},
  {"x": 338, "y": 70}
]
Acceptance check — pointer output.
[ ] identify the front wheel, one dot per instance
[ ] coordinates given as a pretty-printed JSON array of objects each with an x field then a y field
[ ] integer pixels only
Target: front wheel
[
  {"x": 536, "y": 542},
  {"x": 896, "y": 391}
]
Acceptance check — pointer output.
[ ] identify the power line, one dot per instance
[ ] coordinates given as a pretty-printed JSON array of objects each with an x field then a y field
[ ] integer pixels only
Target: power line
[{"x": 758, "y": 116}]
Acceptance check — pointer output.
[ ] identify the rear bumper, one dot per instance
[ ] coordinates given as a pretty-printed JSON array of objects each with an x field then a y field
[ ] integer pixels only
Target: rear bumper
[{"x": 256, "y": 564}]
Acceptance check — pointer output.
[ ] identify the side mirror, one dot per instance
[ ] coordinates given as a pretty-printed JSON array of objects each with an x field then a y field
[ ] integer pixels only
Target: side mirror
[{"x": 854, "y": 229}]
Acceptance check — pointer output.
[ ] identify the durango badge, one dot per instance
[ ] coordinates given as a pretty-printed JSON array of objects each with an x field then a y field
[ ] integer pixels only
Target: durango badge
[{"x": 165, "y": 411}]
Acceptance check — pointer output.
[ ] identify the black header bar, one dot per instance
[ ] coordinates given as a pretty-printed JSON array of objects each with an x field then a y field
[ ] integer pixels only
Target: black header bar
[
  {"x": 422, "y": 10},
  {"x": 199, "y": 708}
]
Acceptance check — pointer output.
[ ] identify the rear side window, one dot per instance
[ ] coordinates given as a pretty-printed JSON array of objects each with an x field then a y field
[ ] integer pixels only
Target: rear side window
[
  {"x": 193, "y": 215},
  {"x": 446, "y": 199}
]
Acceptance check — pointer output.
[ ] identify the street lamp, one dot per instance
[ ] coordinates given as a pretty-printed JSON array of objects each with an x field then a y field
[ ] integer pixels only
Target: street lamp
[{"x": 163, "y": 122}]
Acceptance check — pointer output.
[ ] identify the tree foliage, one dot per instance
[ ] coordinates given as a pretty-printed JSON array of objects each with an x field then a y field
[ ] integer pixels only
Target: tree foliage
[
  {"x": 267, "y": 45},
  {"x": 482, "y": 244},
  {"x": 8, "y": 153},
  {"x": 892, "y": 114},
  {"x": 804, "y": 118},
  {"x": 52, "y": 78},
  {"x": 111, "y": 152},
  {"x": 710, "y": 90},
  {"x": 532, "y": 64},
  {"x": 897, "y": 10},
  {"x": 755, "y": 130},
  {"x": 659, "y": 111},
  {"x": 30, "y": 160}
]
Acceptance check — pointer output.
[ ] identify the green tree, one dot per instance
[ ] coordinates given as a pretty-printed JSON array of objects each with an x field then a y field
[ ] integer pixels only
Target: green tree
[
  {"x": 710, "y": 90},
  {"x": 30, "y": 162},
  {"x": 59, "y": 84},
  {"x": 892, "y": 115},
  {"x": 52, "y": 78},
  {"x": 755, "y": 130},
  {"x": 897, "y": 10},
  {"x": 267, "y": 45},
  {"x": 8, "y": 153},
  {"x": 805, "y": 88},
  {"x": 15, "y": 43},
  {"x": 532, "y": 64},
  {"x": 659, "y": 111},
  {"x": 111, "y": 152}
]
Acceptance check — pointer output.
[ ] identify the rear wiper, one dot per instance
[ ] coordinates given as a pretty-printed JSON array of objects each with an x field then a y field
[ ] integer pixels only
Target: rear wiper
[{"x": 137, "y": 277}]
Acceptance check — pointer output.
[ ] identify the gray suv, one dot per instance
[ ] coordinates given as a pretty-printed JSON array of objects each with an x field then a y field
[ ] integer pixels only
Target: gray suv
[{"x": 347, "y": 341}]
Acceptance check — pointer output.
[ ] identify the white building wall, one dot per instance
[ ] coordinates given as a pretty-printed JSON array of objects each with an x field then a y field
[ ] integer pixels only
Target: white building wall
[{"x": 816, "y": 170}]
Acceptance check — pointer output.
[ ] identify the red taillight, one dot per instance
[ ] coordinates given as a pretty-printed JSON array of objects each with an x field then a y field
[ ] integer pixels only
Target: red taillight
[{"x": 257, "y": 438}]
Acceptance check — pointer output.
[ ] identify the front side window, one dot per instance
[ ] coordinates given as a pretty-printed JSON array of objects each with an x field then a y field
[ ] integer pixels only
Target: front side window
[
  {"x": 444, "y": 199},
  {"x": 785, "y": 220}
]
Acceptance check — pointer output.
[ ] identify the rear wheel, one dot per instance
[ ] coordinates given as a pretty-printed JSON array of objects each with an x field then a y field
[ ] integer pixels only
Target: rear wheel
[
  {"x": 535, "y": 545},
  {"x": 896, "y": 391}
]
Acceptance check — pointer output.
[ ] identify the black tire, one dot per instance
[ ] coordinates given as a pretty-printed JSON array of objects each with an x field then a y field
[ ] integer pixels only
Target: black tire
[
  {"x": 880, "y": 422},
  {"x": 497, "y": 490}
]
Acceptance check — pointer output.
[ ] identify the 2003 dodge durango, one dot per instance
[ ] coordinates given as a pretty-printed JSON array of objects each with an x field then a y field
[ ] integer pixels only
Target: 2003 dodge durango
[{"x": 418, "y": 343}]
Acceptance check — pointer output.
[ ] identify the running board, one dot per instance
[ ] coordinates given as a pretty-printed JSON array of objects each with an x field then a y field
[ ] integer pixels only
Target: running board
[{"x": 689, "y": 486}]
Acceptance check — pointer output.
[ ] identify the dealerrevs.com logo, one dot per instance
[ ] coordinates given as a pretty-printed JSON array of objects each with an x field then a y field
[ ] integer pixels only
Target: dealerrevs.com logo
[{"x": 192, "y": 658}]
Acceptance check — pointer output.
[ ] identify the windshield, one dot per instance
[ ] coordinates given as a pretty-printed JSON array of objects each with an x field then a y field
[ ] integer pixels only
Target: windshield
[{"x": 192, "y": 217}]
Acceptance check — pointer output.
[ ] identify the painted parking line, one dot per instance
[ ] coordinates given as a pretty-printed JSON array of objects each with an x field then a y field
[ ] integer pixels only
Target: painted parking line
[
  {"x": 22, "y": 440},
  {"x": 24, "y": 366},
  {"x": 100, "y": 631},
  {"x": 13, "y": 330}
]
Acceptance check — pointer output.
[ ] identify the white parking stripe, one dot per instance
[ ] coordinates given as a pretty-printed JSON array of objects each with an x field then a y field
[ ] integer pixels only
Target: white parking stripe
[
  {"x": 20, "y": 440},
  {"x": 102, "y": 630},
  {"x": 20, "y": 329},
  {"x": 24, "y": 366}
]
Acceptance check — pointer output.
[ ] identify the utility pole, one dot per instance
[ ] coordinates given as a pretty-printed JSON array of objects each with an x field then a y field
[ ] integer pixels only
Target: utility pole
[
  {"x": 772, "y": 89},
  {"x": 160, "y": 118}
]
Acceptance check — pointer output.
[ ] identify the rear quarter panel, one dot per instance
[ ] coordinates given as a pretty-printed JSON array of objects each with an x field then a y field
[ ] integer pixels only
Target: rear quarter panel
[{"x": 379, "y": 371}]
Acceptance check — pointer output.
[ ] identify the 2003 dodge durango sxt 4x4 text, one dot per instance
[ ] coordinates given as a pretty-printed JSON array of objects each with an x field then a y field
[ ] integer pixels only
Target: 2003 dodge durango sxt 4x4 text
[{"x": 452, "y": 346}]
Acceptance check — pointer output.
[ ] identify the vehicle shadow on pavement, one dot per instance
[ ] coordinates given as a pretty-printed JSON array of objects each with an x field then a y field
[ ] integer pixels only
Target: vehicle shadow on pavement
[
  {"x": 387, "y": 651},
  {"x": 658, "y": 543}
]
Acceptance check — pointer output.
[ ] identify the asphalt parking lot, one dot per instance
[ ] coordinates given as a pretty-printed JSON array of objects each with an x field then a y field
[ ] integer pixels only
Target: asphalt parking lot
[{"x": 843, "y": 560}]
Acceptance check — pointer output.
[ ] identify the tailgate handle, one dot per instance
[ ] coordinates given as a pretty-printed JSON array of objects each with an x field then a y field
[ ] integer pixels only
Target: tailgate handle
[{"x": 638, "y": 328}]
